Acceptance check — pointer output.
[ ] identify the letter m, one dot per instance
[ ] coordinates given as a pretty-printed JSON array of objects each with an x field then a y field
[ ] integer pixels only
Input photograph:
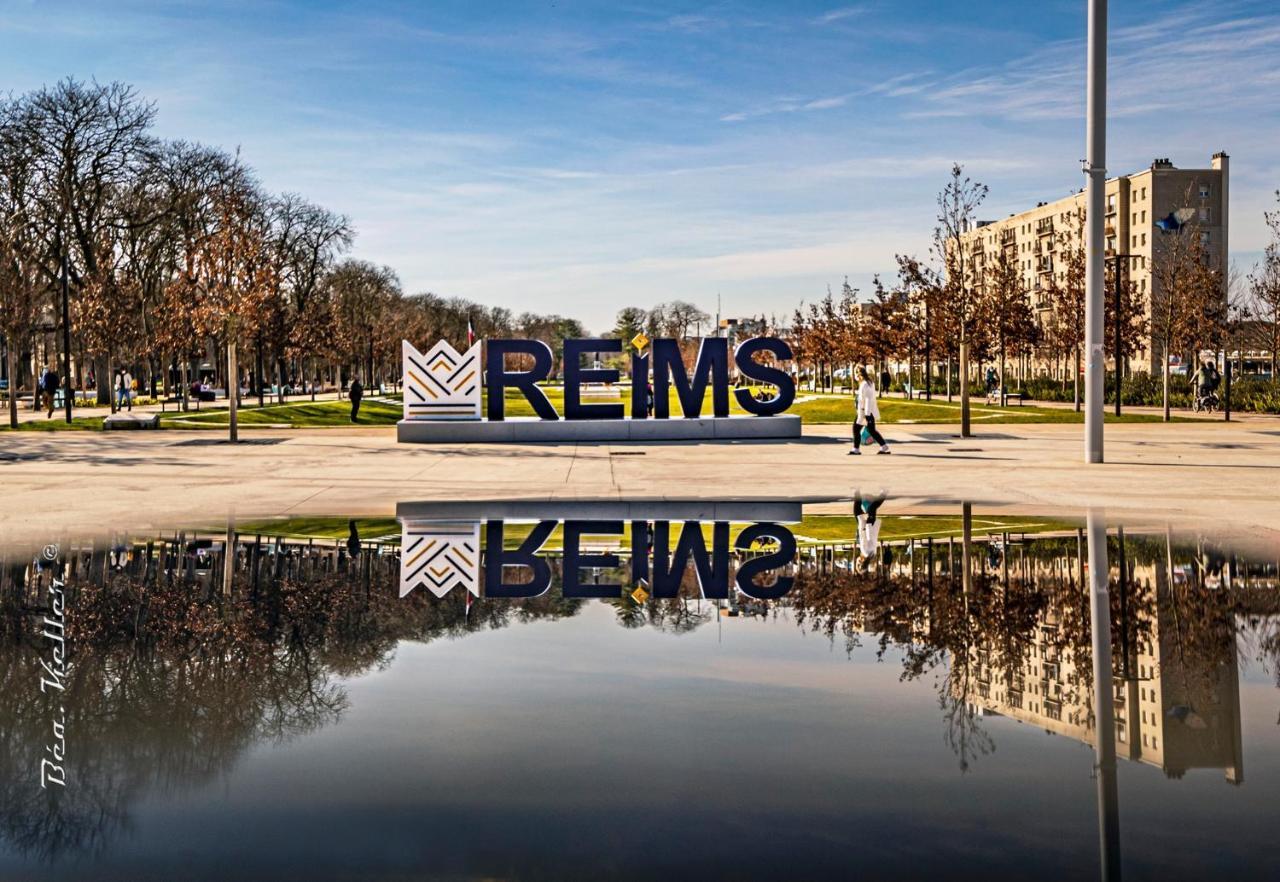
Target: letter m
[{"x": 712, "y": 367}]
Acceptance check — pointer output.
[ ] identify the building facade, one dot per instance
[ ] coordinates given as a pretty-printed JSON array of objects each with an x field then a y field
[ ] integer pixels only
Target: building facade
[{"x": 1140, "y": 208}]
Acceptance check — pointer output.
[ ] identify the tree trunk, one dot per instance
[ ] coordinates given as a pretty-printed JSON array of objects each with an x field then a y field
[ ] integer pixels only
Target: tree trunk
[
  {"x": 928, "y": 370},
  {"x": 115, "y": 391},
  {"x": 103, "y": 370},
  {"x": 258, "y": 370},
  {"x": 966, "y": 430},
  {"x": 948, "y": 379},
  {"x": 1000, "y": 391},
  {"x": 12, "y": 358},
  {"x": 1075, "y": 379},
  {"x": 1166, "y": 384},
  {"x": 232, "y": 379}
]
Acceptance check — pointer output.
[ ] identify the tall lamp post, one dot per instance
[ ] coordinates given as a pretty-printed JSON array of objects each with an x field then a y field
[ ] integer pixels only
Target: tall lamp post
[{"x": 1095, "y": 243}]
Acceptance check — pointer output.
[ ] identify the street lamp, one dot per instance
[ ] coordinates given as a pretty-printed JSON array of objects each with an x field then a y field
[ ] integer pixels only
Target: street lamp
[{"x": 1096, "y": 170}]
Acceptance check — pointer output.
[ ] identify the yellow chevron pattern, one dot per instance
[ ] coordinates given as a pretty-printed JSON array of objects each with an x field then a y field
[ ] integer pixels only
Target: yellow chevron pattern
[
  {"x": 443, "y": 384},
  {"x": 440, "y": 556}
]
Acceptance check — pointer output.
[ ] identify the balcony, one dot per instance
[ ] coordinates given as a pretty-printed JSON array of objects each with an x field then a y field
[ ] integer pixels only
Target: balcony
[{"x": 1044, "y": 227}]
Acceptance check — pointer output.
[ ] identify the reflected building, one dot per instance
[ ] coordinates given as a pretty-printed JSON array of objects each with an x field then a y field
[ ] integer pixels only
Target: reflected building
[{"x": 1176, "y": 696}]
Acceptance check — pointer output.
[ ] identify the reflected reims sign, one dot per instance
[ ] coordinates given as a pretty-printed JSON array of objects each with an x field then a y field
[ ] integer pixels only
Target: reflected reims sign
[
  {"x": 444, "y": 384},
  {"x": 443, "y": 555}
]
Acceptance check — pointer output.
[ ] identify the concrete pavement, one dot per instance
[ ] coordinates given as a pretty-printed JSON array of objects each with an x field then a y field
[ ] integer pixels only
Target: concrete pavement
[{"x": 70, "y": 483}]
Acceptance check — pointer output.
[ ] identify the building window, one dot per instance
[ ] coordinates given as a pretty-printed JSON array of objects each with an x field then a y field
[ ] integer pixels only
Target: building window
[
  {"x": 1144, "y": 216},
  {"x": 1204, "y": 238},
  {"x": 1204, "y": 191},
  {"x": 1204, "y": 215},
  {"x": 1144, "y": 238}
]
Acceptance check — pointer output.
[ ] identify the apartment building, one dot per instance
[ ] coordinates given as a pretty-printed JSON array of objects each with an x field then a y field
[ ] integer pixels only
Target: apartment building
[{"x": 1162, "y": 200}]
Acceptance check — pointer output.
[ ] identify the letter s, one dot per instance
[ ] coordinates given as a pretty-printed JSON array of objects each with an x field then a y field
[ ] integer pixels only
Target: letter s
[{"x": 743, "y": 356}]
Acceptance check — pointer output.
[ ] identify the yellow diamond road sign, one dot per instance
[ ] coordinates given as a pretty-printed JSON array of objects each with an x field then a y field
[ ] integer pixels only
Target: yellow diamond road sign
[
  {"x": 640, "y": 341},
  {"x": 640, "y": 595}
]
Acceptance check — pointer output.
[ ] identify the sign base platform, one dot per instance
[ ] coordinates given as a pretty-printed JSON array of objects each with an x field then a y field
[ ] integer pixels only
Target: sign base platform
[{"x": 523, "y": 431}]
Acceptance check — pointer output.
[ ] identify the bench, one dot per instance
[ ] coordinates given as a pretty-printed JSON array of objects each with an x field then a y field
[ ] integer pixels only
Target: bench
[
  {"x": 131, "y": 421},
  {"x": 1007, "y": 396}
]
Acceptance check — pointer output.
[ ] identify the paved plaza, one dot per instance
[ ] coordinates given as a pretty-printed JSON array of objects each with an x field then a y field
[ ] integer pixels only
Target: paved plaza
[{"x": 70, "y": 482}]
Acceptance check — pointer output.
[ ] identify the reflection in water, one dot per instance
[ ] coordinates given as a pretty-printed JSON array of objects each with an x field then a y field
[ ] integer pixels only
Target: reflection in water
[
  {"x": 175, "y": 674},
  {"x": 184, "y": 656}
]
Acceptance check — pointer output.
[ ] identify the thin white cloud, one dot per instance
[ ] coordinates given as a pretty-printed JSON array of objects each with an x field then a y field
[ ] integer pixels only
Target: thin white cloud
[
  {"x": 1183, "y": 61},
  {"x": 841, "y": 14}
]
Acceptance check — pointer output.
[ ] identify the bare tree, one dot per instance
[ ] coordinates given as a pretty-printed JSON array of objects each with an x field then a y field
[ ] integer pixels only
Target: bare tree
[
  {"x": 1006, "y": 308},
  {"x": 925, "y": 289},
  {"x": 957, "y": 203},
  {"x": 363, "y": 295},
  {"x": 1264, "y": 284},
  {"x": 306, "y": 241},
  {"x": 236, "y": 276},
  {"x": 22, "y": 292},
  {"x": 89, "y": 140},
  {"x": 1188, "y": 295}
]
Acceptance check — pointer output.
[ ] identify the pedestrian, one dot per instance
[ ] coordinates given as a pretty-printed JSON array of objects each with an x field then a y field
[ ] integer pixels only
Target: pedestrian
[
  {"x": 357, "y": 393},
  {"x": 886, "y": 380},
  {"x": 993, "y": 384},
  {"x": 49, "y": 388},
  {"x": 353, "y": 540},
  {"x": 866, "y": 511},
  {"x": 868, "y": 413},
  {"x": 1205, "y": 382},
  {"x": 648, "y": 399},
  {"x": 123, "y": 381}
]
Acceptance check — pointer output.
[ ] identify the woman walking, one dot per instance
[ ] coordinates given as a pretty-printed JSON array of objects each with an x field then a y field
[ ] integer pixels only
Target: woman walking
[{"x": 868, "y": 413}]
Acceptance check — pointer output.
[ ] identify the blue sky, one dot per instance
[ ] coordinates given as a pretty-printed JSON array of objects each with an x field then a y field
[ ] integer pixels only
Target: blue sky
[{"x": 580, "y": 157}]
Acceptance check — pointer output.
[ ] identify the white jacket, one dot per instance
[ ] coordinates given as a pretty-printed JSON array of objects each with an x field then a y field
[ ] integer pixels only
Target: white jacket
[
  {"x": 867, "y": 401},
  {"x": 868, "y": 535}
]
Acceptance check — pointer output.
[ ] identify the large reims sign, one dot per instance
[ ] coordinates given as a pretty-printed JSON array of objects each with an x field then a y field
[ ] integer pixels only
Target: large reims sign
[{"x": 444, "y": 384}]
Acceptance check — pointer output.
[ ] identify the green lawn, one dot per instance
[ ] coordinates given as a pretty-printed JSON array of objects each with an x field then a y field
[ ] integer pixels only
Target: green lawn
[
  {"x": 814, "y": 529},
  {"x": 297, "y": 415},
  {"x": 813, "y": 409},
  {"x": 319, "y": 528},
  {"x": 58, "y": 424},
  {"x": 839, "y": 409}
]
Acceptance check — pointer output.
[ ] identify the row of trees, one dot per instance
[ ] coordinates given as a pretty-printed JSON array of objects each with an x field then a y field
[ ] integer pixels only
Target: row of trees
[
  {"x": 165, "y": 252},
  {"x": 965, "y": 305},
  {"x": 155, "y": 248}
]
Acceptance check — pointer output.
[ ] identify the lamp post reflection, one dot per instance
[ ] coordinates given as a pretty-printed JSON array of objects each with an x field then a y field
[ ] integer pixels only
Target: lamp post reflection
[{"x": 1103, "y": 696}]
